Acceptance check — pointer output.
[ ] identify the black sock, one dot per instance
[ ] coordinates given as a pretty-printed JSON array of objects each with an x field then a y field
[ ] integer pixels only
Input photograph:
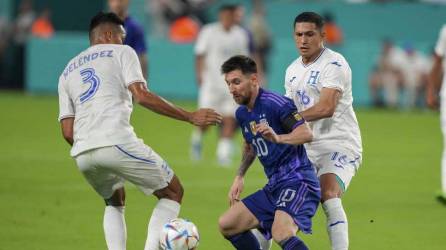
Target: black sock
[
  {"x": 244, "y": 241},
  {"x": 293, "y": 243}
]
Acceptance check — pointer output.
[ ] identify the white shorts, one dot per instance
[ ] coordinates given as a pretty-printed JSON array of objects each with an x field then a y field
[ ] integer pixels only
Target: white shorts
[
  {"x": 218, "y": 99},
  {"x": 107, "y": 168},
  {"x": 342, "y": 163}
]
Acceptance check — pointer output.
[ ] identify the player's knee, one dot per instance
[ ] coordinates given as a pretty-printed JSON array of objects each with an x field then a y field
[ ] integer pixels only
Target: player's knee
[
  {"x": 330, "y": 194},
  {"x": 225, "y": 226},
  {"x": 117, "y": 199},
  {"x": 176, "y": 194},
  {"x": 180, "y": 193},
  {"x": 281, "y": 233}
]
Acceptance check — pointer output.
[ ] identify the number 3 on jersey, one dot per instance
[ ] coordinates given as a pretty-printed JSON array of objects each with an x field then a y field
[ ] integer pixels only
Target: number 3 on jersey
[{"x": 88, "y": 76}]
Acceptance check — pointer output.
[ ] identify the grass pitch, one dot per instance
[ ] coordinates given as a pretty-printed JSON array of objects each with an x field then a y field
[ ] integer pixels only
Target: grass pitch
[{"x": 46, "y": 203}]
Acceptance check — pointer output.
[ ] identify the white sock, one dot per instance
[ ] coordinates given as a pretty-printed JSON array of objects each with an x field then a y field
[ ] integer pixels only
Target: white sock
[
  {"x": 224, "y": 151},
  {"x": 337, "y": 225},
  {"x": 196, "y": 136},
  {"x": 114, "y": 228},
  {"x": 443, "y": 171},
  {"x": 264, "y": 243},
  {"x": 195, "y": 151},
  {"x": 164, "y": 211}
]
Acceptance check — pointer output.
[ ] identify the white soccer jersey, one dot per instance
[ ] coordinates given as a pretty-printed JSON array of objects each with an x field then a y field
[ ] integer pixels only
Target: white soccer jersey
[
  {"x": 303, "y": 84},
  {"x": 217, "y": 45},
  {"x": 440, "y": 50},
  {"x": 93, "y": 89}
]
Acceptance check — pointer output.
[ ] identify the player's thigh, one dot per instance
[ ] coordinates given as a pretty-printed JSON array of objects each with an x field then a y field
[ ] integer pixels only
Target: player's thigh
[
  {"x": 238, "y": 218},
  {"x": 300, "y": 201},
  {"x": 342, "y": 163},
  {"x": 138, "y": 164},
  {"x": 104, "y": 181},
  {"x": 207, "y": 98},
  {"x": 227, "y": 105},
  {"x": 218, "y": 99}
]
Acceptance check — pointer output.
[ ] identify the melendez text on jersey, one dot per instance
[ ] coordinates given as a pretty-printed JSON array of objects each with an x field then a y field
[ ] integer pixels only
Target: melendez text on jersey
[{"x": 86, "y": 58}]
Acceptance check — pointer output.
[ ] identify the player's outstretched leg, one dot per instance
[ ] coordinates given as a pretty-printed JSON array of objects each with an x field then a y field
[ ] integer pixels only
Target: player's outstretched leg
[
  {"x": 234, "y": 225},
  {"x": 167, "y": 208},
  {"x": 284, "y": 232},
  {"x": 337, "y": 225},
  {"x": 114, "y": 222}
]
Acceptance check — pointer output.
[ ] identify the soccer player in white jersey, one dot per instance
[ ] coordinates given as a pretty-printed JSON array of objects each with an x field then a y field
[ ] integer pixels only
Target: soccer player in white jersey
[
  {"x": 319, "y": 82},
  {"x": 95, "y": 100},
  {"x": 216, "y": 43},
  {"x": 437, "y": 86}
]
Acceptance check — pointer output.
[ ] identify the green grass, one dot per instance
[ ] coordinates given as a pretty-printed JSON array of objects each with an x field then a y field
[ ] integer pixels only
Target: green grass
[{"x": 46, "y": 204}]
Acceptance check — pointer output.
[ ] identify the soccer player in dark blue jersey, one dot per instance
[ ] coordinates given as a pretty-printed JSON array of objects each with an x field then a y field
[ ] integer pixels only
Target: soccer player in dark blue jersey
[{"x": 274, "y": 132}]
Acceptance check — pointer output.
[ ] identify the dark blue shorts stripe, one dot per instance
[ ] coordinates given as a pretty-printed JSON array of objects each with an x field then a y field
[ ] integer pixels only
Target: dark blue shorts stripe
[{"x": 134, "y": 157}]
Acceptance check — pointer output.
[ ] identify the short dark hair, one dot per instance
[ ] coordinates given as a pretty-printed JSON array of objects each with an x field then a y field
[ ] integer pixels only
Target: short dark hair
[
  {"x": 102, "y": 18},
  {"x": 309, "y": 17},
  {"x": 227, "y": 7},
  {"x": 243, "y": 63}
]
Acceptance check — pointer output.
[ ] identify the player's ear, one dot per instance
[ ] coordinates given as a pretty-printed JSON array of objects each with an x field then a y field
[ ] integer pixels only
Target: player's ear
[
  {"x": 254, "y": 77},
  {"x": 322, "y": 31},
  {"x": 108, "y": 36}
]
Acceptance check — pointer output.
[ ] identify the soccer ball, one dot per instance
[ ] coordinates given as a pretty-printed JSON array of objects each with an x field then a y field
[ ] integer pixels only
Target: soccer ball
[{"x": 179, "y": 234}]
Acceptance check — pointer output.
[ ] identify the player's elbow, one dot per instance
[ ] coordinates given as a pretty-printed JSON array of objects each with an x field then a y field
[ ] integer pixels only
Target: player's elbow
[
  {"x": 139, "y": 99},
  {"x": 142, "y": 98}
]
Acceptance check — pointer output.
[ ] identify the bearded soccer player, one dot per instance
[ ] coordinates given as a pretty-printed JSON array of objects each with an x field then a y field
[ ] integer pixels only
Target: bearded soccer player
[{"x": 275, "y": 133}]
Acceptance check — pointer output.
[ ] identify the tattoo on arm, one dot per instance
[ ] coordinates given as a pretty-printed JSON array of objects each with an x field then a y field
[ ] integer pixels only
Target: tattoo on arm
[{"x": 248, "y": 158}]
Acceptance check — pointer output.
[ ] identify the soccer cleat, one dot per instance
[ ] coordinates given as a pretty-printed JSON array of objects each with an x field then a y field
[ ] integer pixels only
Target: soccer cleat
[{"x": 441, "y": 197}]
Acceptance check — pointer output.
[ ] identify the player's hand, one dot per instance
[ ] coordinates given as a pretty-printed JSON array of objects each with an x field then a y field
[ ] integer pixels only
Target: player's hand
[
  {"x": 267, "y": 132},
  {"x": 236, "y": 190},
  {"x": 205, "y": 117}
]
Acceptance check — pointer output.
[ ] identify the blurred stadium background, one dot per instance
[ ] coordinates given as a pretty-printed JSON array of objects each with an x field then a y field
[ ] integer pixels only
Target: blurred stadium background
[{"x": 46, "y": 204}]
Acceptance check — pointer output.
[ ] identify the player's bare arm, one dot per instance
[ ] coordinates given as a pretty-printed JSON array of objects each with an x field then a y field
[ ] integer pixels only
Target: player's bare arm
[
  {"x": 326, "y": 106},
  {"x": 150, "y": 100},
  {"x": 144, "y": 61},
  {"x": 67, "y": 129},
  {"x": 248, "y": 158},
  {"x": 199, "y": 67},
  {"x": 434, "y": 83},
  {"x": 300, "y": 135}
]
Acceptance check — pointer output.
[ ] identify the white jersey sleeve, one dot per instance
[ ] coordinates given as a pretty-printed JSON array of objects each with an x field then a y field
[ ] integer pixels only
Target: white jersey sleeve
[
  {"x": 201, "y": 45},
  {"x": 440, "y": 47},
  {"x": 131, "y": 68},
  {"x": 288, "y": 87},
  {"x": 66, "y": 106},
  {"x": 333, "y": 77}
]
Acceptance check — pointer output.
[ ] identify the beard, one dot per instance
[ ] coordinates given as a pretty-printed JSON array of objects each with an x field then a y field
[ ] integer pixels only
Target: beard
[{"x": 241, "y": 100}]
